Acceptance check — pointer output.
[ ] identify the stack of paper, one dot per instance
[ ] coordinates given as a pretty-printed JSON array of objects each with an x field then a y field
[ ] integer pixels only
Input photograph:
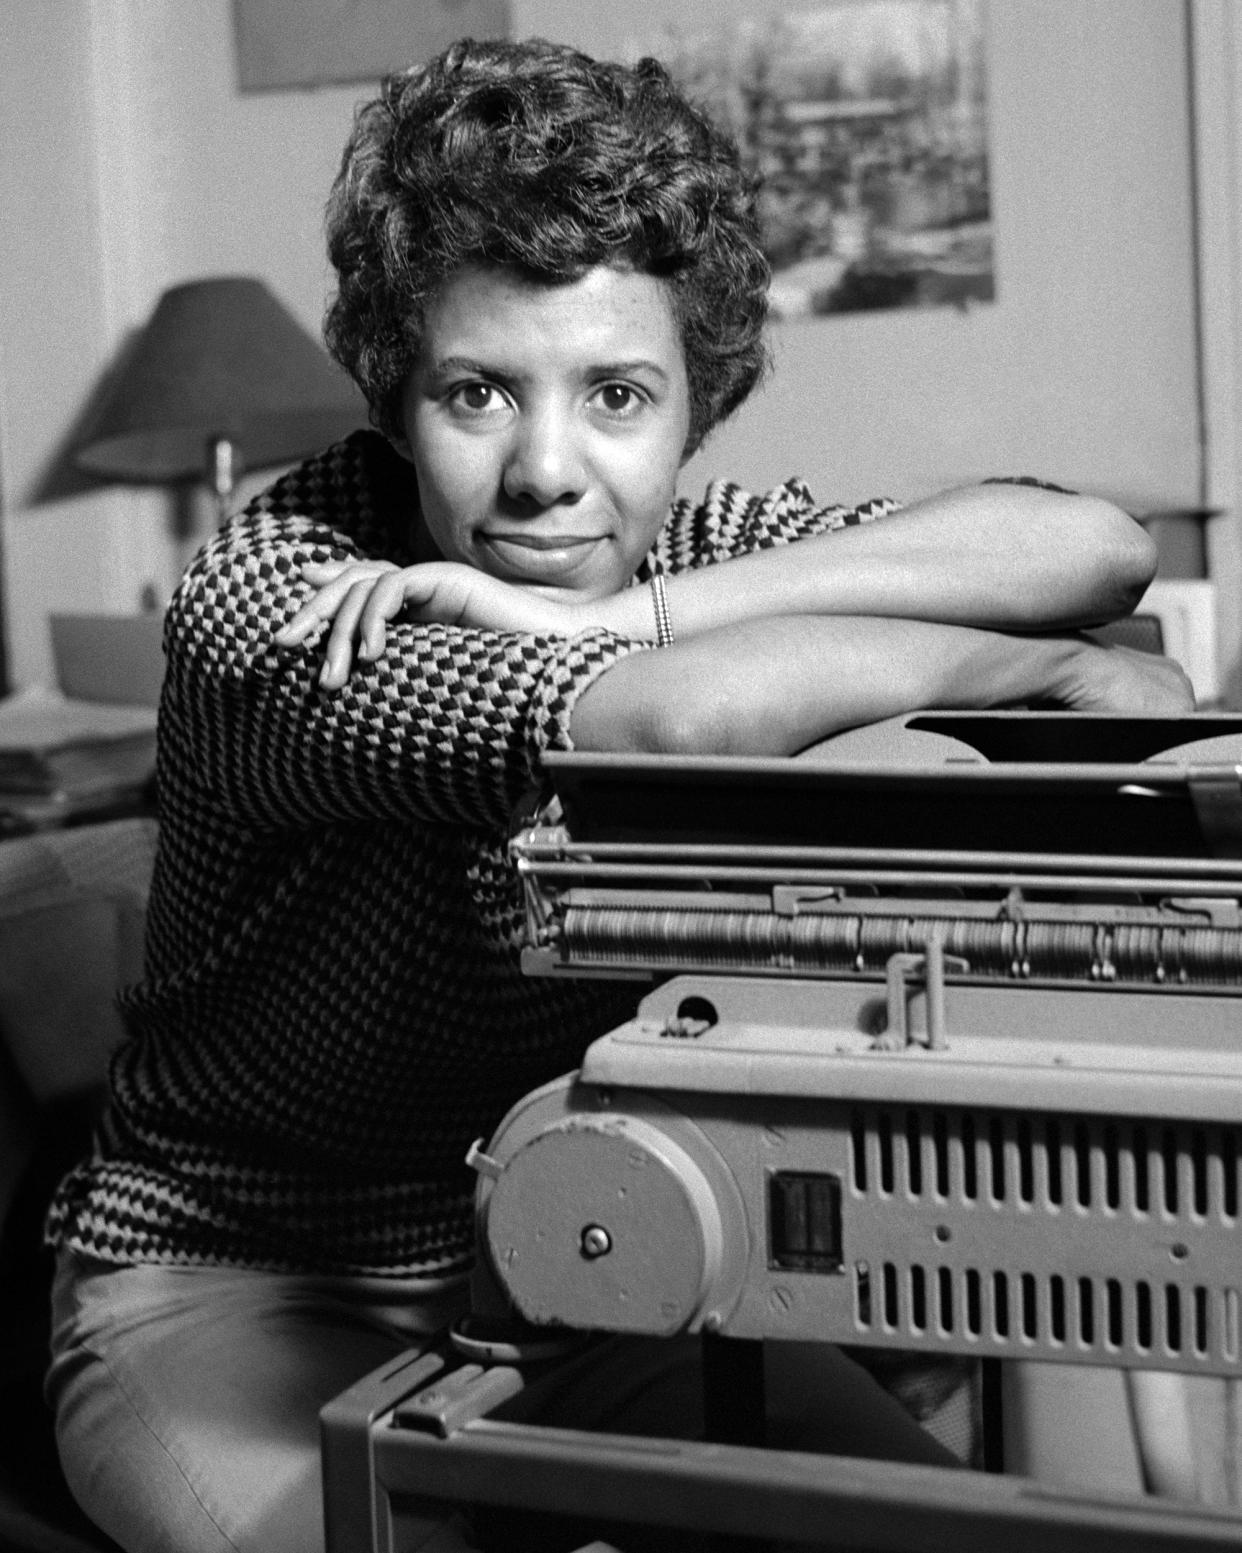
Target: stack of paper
[{"x": 68, "y": 753}]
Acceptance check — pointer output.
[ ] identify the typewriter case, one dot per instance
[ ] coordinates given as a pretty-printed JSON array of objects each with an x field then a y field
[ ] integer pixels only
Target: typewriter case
[{"x": 938, "y": 1048}]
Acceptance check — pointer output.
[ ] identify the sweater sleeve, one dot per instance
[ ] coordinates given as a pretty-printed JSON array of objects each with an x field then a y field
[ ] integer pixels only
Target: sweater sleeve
[
  {"x": 449, "y": 724},
  {"x": 730, "y": 521}
]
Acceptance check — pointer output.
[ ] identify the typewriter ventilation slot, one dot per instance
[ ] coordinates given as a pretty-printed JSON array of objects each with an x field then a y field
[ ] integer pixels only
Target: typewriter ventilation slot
[
  {"x": 1031, "y": 1313},
  {"x": 1046, "y": 1236}
]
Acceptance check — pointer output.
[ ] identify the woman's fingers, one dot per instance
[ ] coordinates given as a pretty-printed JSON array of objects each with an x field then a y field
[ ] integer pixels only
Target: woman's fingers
[
  {"x": 339, "y": 650},
  {"x": 332, "y": 582},
  {"x": 387, "y": 599},
  {"x": 298, "y": 627},
  {"x": 357, "y": 600},
  {"x": 319, "y": 572}
]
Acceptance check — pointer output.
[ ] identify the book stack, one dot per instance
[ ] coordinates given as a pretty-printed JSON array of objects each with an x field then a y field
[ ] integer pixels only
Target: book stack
[{"x": 64, "y": 761}]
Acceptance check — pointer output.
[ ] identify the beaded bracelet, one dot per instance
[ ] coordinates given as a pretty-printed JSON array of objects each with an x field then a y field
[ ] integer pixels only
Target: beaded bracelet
[{"x": 663, "y": 620}]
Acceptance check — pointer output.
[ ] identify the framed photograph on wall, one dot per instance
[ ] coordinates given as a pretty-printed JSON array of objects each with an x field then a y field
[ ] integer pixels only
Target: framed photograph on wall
[
  {"x": 867, "y": 121},
  {"x": 290, "y": 43}
]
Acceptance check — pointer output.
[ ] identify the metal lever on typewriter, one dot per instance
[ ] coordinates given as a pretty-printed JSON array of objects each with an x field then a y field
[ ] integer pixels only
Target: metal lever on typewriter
[{"x": 899, "y": 970}]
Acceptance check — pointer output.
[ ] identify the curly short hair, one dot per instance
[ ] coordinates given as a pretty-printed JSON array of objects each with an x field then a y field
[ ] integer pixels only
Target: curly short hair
[{"x": 535, "y": 156}]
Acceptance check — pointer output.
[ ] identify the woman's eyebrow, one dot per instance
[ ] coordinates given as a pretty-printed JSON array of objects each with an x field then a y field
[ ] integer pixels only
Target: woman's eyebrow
[
  {"x": 449, "y": 366},
  {"x": 629, "y": 368}
]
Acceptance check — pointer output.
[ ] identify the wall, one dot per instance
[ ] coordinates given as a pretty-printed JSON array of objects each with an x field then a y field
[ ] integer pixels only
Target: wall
[
  {"x": 136, "y": 162},
  {"x": 1216, "y": 53},
  {"x": 56, "y": 327},
  {"x": 1084, "y": 368}
]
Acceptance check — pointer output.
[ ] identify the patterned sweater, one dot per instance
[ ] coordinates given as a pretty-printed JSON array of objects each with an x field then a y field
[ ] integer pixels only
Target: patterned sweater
[{"x": 332, "y": 1007}]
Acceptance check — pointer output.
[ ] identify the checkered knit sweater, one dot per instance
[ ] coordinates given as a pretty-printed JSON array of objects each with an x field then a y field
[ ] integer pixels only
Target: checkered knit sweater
[{"x": 332, "y": 1007}]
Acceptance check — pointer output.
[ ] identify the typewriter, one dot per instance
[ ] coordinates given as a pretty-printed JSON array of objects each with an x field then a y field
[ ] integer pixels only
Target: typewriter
[{"x": 936, "y": 1048}]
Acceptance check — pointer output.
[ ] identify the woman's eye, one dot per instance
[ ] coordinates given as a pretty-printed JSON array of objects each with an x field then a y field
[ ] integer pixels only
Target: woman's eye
[
  {"x": 619, "y": 398},
  {"x": 476, "y": 397}
]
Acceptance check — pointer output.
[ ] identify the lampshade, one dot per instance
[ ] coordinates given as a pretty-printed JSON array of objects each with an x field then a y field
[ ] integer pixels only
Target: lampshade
[{"x": 221, "y": 359}]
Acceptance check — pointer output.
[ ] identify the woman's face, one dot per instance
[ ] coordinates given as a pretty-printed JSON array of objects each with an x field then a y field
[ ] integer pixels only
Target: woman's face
[{"x": 547, "y": 424}]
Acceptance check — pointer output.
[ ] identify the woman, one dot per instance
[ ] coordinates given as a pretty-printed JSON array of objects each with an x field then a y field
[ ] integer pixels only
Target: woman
[{"x": 550, "y": 289}]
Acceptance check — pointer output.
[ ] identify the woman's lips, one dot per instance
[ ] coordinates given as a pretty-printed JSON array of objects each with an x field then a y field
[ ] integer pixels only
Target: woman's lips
[{"x": 541, "y": 557}]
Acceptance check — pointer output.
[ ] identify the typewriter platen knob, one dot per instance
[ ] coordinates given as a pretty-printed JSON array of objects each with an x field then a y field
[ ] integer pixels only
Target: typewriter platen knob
[{"x": 609, "y": 1221}]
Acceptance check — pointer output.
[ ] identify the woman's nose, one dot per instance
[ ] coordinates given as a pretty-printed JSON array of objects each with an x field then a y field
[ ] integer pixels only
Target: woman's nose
[{"x": 544, "y": 464}]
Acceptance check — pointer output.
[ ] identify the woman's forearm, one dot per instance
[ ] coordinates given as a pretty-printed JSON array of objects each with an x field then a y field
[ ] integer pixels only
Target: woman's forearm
[
  {"x": 1004, "y": 557},
  {"x": 775, "y": 685}
]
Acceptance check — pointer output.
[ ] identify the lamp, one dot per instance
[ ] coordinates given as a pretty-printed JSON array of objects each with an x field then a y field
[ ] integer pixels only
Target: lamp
[{"x": 221, "y": 371}]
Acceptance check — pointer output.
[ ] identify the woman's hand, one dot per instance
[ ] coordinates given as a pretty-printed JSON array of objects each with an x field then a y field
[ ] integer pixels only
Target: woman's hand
[
  {"x": 359, "y": 598},
  {"x": 1111, "y": 678}
]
